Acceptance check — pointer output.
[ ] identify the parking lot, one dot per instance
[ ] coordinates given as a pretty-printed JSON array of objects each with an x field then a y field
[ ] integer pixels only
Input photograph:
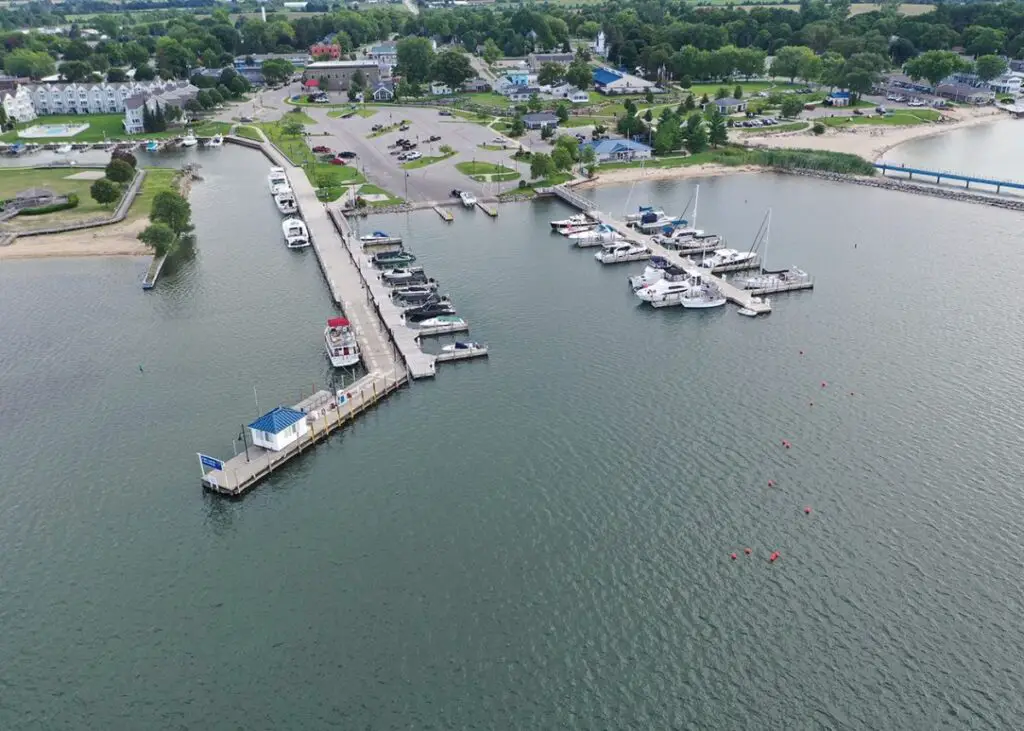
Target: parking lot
[{"x": 432, "y": 182}]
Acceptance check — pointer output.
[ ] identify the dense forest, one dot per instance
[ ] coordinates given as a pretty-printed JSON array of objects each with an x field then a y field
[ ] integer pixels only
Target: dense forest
[{"x": 665, "y": 39}]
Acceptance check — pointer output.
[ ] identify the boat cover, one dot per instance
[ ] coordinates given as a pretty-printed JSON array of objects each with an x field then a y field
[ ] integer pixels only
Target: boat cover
[{"x": 337, "y": 322}]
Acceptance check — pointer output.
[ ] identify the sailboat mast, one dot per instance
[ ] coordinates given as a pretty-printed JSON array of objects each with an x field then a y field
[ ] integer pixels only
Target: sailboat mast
[
  {"x": 696, "y": 200},
  {"x": 767, "y": 236}
]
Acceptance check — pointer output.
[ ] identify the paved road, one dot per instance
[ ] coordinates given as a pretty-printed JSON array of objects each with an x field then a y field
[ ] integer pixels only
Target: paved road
[{"x": 433, "y": 182}]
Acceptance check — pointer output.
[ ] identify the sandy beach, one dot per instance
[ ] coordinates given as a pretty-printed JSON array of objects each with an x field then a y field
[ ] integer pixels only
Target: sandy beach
[
  {"x": 116, "y": 240},
  {"x": 872, "y": 141},
  {"x": 630, "y": 175}
]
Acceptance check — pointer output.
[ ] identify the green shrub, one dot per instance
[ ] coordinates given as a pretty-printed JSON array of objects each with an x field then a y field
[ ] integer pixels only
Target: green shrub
[
  {"x": 72, "y": 202},
  {"x": 818, "y": 128}
]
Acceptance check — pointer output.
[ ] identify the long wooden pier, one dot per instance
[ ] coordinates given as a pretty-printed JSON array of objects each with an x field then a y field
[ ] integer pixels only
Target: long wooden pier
[
  {"x": 940, "y": 176},
  {"x": 324, "y": 414},
  {"x": 741, "y": 297}
]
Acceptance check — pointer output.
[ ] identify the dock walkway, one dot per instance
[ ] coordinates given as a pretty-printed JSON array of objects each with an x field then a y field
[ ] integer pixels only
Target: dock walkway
[{"x": 741, "y": 297}]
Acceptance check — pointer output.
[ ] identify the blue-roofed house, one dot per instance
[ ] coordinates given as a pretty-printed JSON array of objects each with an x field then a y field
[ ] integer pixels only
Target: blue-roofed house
[
  {"x": 608, "y": 81},
  {"x": 838, "y": 99},
  {"x": 278, "y": 428},
  {"x": 620, "y": 150}
]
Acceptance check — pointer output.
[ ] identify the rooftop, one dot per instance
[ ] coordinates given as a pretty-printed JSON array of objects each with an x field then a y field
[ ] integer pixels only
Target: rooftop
[
  {"x": 277, "y": 420},
  {"x": 728, "y": 102},
  {"x": 611, "y": 146},
  {"x": 540, "y": 117},
  {"x": 606, "y": 76},
  {"x": 363, "y": 64}
]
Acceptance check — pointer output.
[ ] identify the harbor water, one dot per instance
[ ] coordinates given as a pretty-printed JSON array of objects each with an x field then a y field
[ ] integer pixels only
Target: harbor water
[{"x": 540, "y": 539}]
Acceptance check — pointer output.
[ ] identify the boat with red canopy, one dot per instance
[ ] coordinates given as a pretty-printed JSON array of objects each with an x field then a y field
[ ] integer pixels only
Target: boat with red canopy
[{"x": 340, "y": 341}]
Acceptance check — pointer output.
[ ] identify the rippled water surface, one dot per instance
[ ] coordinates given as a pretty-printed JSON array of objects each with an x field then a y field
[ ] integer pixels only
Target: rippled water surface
[{"x": 542, "y": 539}]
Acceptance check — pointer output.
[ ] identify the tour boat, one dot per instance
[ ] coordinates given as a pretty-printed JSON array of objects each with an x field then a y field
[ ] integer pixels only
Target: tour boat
[
  {"x": 285, "y": 202},
  {"x": 390, "y": 258},
  {"x": 703, "y": 297},
  {"x": 429, "y": 310},
  {"x": 215, "y": 141},
  {"x": 468, "y": 199},
  {"x": 407, "y": 275},
  {"x": 603, "y": 234},
  {"x": 295, "y": 233},
  {"x": 340, "y": 342},
  {"x": 642, "y": 211},
  {"x": 460, "y": 346},
  {"x": 620, "y": 253},
  {"x": 442, "y": 324},
  {"x": 725, "y": 257},
  {"x": 64, "y": 149},
  {"x": 653, "y": 272},
  {"x": 189, "y": 140},
  {"x": 275, "y": 179},
  {"x": 576, "y": 220}
]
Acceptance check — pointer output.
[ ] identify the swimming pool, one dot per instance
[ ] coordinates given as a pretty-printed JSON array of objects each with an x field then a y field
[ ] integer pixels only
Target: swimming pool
[{"x": 39, "y": 131}]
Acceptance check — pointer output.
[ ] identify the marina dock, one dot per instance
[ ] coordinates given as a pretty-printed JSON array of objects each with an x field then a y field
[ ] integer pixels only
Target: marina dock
[
  {"x": 489, "y": 210},
  {"x": 323, "y": 415},
  {"x": 444, "y": 213},
  {"x": 741, "y": 297}
]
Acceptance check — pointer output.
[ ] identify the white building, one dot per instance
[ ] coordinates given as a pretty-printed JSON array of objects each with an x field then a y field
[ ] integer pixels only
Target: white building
[
  {"x": 438, "y": 88},
  {"x": 171, "y": 94},
  {"x": 276, "y": 429},
  {"x": 598, "y": 46},
  {"x": 18, "y": 105},
  {"x": 87, "y": 98}
]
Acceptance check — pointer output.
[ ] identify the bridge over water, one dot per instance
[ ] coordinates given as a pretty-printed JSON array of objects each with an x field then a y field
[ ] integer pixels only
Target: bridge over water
[{"x": 940, "y": 176}]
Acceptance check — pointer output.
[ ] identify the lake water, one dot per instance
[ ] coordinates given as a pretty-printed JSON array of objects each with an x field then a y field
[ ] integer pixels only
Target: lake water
[
  {"x": 541, "y": 539},
  {"x": 990, "y": 150}
]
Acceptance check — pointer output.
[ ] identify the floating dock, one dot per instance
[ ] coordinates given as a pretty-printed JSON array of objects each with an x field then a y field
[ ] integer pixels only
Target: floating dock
[
  {"x": 458, "y": 327},
  {"x": 734, "y": 294},
  {"x": 389, "y": 242},
  {"x": 323, "y": 415},
  {"x": 489, "y": 210},
  {"x": 450, "y": 355},
  {"x": 444, "y": 213},
  {"x": 782, "y": 287}
]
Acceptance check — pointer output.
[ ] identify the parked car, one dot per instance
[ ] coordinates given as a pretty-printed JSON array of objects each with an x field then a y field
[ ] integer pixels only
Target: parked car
[
  {"x": 337, "y": 161},
  {"x": 403, "y": 156},
  {"x": 321, "y": 148},
  {"x": 245, "y": 119},
  {"x": 376, "y": 128},
  {"x": 413, "y": 156},
  {"x": 434, "y": 138},
  {"x": 445, "y": 113},
  {"x": 403, "y": 127},
  {"x": 346, "y": 154}
]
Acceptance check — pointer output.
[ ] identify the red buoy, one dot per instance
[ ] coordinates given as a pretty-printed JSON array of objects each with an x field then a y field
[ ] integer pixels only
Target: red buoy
[
  {"x": 807, "y": 510},
  {"x": 746, "y": 551},
  {"x": 771, "y": 483},
  {"x": 773, "y": 557},
  {"x": 823, "y": 384},
  {"x": 732, "y": 556},
  {"x": 801, "y": 352}
]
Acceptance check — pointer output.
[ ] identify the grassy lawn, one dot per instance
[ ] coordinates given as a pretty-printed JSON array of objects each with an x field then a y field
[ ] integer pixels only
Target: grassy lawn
[
  {"x": 492, "y": 148},
  {"x": 157, "y": 180},
  {"x": 590, "y": 121},
  {"x": 787, "y": 127},
  {"x": 501, "y": 126},
  {"x": 425, "y": 160},
  {"x": 369, "y": 189},
  {"x": 475, "y": 117},
  {"x": 249, "y": 133},
  {"x": 482, "y": 168},
  {"x": 347, "y": 109},
  {"x": 487, "y": 99},
  {"x": 900, "y": 118},
  {"x": 15, "y": 180},
  {"x": 109, "y": 126},
  {"x": 331, "y": 180},
  {"x": 384, "y": 131},
  {"x": 496, "y": 178},
  {"x": 556, "y": 179}
]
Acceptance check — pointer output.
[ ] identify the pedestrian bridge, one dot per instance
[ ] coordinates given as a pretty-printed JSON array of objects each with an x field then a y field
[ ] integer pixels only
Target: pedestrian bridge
[{"x": 940, "y": 176}]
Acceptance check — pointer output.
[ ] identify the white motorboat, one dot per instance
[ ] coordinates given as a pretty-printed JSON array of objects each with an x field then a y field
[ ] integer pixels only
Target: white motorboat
[
  {"x": 441, "y": 325},
  {"x": 64, "y": 149},
  {"x": 653, "y": 272},
  {"x": 277, "y": 178},
  {"x": 569, "y": 222},
  {"x": 340, "y": 342},
  {"x": 379, "y": 237},
  {"x": 295, "y": 233},
  {"x": 696, "y": 245},
  {"x": 667, "y": 292},
  {"x": 215, "y": 141},
  {"x": 189, "y": 140},
  {"x": 778, "y": 278},
  {"x": 602, "y": 234},
  {"x": 747, "y": 312},
  {"x": 644, "y": 210},
  {"x": 651, "y": 224},
  {"x": 403, "y": 276},
  {"x": 578, "y": 228},
  {"x": 621, "y": 253},
  {"x": 285, "y": 202},
  {"x": 467, "y": 198},
  {"x": 465, "y": 348},
  {"x": 703, "y": 297},
  {"x": 725, "y": 257}
]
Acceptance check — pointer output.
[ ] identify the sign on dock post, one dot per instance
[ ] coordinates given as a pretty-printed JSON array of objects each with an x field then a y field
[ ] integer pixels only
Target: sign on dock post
[{"x": 211, "y": 462}]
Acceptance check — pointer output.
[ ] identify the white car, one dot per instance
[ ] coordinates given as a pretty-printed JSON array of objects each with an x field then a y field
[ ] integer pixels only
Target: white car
[{"x": 413, "y": 156}]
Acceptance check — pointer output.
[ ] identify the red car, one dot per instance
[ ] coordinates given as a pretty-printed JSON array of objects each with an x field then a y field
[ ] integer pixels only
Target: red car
[
  {"x": 321, "y": 148},
  {"x": 337, "y": 161}
]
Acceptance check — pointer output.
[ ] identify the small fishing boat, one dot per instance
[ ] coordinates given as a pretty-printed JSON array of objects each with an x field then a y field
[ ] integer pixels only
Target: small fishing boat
[
  {"x": 152, "y": 146},
  {"x": 602, "y": 234},
  {"x": 189, "y": 140},
  {"x": 441, "y": 325},
  {"x": 429, "y": 310},
  {"x": 431, "y": 299},
  {"x": 569, "y": 222},
  {"x": 340, "y": 343},
  {"x": 414, "y": 289},
  {"x": 285, "y": 202},
  {"x": 413, "y": 296},
  {"x": 703, "y": 297},
  {"x": 277, "y": 178},
  {"x": 295, "y": 233},
  {"x": 215, "y": 141},
  {"x": 403, "y": 276},
  {"x": 379, "y": 237},
  {"x": 467, "y": 347},
  {"x": 725, "y": 257},
  {"x": 467, "y": 198},
  {"x": 391, "y": 258},
  {"x": 621, "y": 253}
]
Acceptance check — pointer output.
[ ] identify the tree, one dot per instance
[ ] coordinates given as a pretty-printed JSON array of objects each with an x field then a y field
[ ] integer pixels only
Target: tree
[
  {"x": 696, "y": 134},
  {"x": 277, "y": 70},
  {"x": 550, "y": 73},
  {"x": 649, "y": 97},
  {"x": 75, "y": 71},
  {"x": 934, "y": 66},
  {"x": 787, "y": 61},
  {"x": 135, "y": 54},
  {"x": 664, "y": 139},
  {"x": 980, "y": 40},
  {"x": 861, "y": 71},
  {"x": 144, "y": 72},
  {"x": 116, "y": 76},
  {"x": 192, "y": 105},
  {"x": 717, "y": 133},
  {"x": 737, "y": 93},
  {"x": 547, "y": 132},
  {"x": 689, "y": 104},
  {"x": 173, "y": 210},
  {"x": 292, "y": 128},
  {"x": 453, "y": 68},
  {"x": 810, "y": 68},
  {"x": 579, "y": 75},
  {"x": 160, "y": 118},
  {"x": 901, "y": 50},
  {"x": 147, "y": 119},
  {"x": 588, "y": 158},
  {"x": 215, "y": 97},
  {"x": 159, "y": 237},
  {"x": 792, "y": 106},
  {"x": 517, "y": 128},
  {"x": 173, "y": 58},
  {"x": 491, "y": 52},
  {"x": 104, "y": 191},
  {"x": 561, "y": 158},
  {"x": 126, "y": 156},
  {"x": 831, "y": 73},
  {"x": 119, "y": 171},
  {"x": 23, "y": 62},
  {"x": 562, "y": 112},
  {"x": 203, "y": 97},
  {"x": 989, "y": 67},
  {"x": 535, "y": 104},
  {"x": 722, "y": 93},
  {"x": 415, "y": 59},
  {"x": 541, "y": 165}
]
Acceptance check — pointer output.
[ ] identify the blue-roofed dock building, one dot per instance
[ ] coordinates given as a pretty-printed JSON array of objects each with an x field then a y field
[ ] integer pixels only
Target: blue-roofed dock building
[{"x": 278, "y": 428}]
